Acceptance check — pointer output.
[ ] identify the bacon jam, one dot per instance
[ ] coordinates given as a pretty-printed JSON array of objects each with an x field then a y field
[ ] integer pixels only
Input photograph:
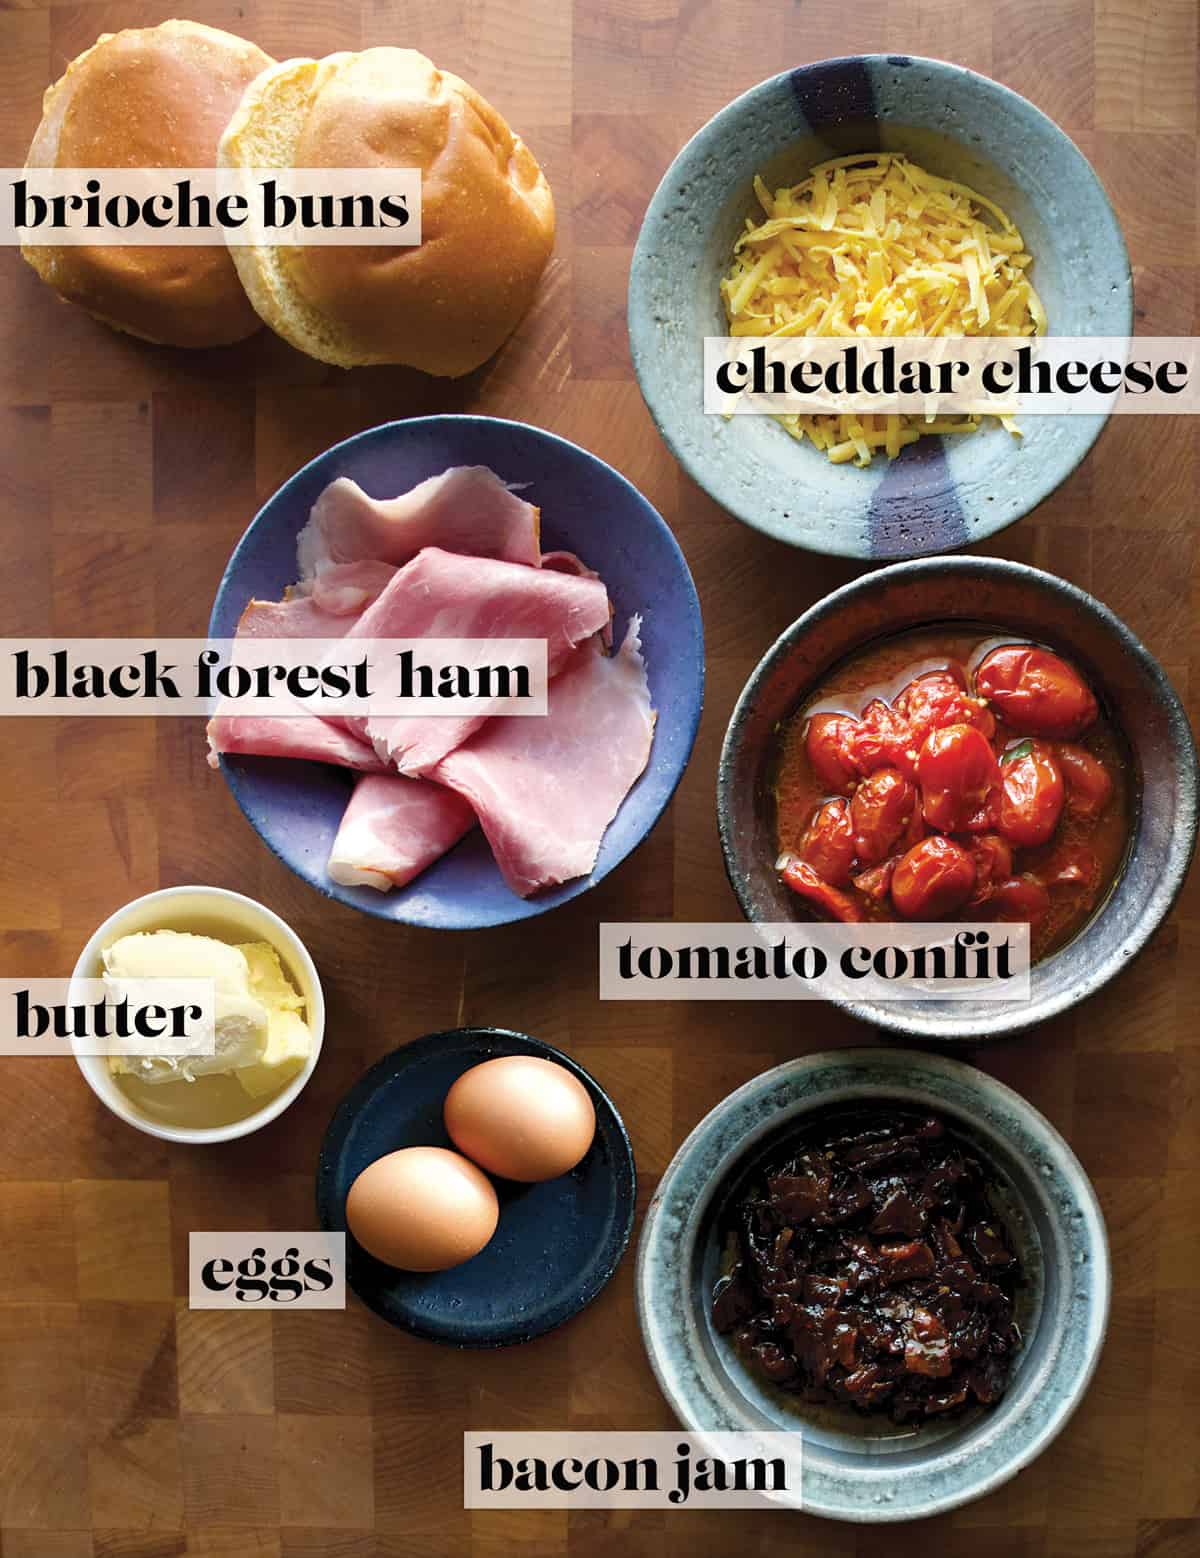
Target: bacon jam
[
  {"x": 871, "y": 1270},
  {"x": 954, "y": 773}
]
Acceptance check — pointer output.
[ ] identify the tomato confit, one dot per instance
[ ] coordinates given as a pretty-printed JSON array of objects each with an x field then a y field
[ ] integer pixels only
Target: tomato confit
[
  {"x": 954, "y": 774},
  {"x": 870, "y": 1269}
]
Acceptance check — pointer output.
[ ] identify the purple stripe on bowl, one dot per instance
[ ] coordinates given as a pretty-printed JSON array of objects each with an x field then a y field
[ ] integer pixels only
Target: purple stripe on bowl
[
  {"x": 915, "y": 507},
  {"x": 837, "y": 93}
]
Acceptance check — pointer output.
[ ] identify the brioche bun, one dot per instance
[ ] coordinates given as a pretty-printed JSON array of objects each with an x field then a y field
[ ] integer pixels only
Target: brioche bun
[
  {"x": 148, "y": 97},
  {"x": 487, "y": 216}
]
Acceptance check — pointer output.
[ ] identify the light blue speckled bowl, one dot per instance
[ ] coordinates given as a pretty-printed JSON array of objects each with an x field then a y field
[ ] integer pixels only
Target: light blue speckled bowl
[
  {"x": 860, "y": 1468},
  {"x": 939, "y": 494}
]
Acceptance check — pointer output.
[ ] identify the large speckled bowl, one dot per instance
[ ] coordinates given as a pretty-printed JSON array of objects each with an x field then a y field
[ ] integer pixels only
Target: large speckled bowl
[
  {"x": 865, "y": 1468},
  {"x": 940, "y": 493},
  {"x": 1132, "y": 686}
]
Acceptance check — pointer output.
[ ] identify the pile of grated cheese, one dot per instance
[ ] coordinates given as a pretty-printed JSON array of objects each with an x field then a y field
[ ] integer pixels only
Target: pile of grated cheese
[{"x": 872, "y": 245}]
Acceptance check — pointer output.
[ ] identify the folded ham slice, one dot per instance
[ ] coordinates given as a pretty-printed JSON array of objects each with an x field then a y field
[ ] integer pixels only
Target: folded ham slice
[
  {"x": 568, "y": 562},
  {"x": 327, "y": 612},
  {"x": 444, "y": 595},
  {"x": 546, "y": 789},
  {"x": 393, "y": 829},
  {"x": 281, "y": 735},
  {"x": 465, "y": 509}
]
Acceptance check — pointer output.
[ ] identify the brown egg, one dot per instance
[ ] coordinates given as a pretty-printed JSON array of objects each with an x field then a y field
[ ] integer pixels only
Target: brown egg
[
  {"x": 422, "y": 1209},
  {"x": 521, "y": 1117}
]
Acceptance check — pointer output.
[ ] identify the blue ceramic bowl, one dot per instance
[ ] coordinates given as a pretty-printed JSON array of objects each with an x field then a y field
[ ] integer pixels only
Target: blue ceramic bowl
[
  {"x": 939, "y": 494},
  {"x": 587, "y": 508},
  {"x": 557, "y": 1242},
  {"x": 857, "y": 1467}
]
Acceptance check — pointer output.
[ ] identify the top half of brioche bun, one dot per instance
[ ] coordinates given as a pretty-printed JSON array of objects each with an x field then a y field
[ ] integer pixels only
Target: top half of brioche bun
[
  {"x": 148, "y": 97},
  {"x": 487, "y": 216}
]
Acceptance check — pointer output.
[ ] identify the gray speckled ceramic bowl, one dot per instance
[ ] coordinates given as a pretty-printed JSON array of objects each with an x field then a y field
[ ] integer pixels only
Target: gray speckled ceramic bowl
[
  {"x": 860, "y": 1468},
  {"x": 940, "y": 493},
  {"x": 1136, "y": 694}
]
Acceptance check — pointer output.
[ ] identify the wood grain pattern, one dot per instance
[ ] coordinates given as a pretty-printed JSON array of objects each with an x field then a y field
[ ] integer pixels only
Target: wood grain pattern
[{"x": 133, "y": 1428}]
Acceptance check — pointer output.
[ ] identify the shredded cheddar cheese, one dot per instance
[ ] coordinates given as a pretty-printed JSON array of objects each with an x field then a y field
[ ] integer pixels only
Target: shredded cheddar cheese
[{"x": 872, "y": 245}]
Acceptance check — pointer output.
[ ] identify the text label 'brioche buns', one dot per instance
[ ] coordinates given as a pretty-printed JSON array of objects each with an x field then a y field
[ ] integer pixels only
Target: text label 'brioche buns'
[
  {"x": 152, "y": 97},
  {"x": 487, "y": 216}
]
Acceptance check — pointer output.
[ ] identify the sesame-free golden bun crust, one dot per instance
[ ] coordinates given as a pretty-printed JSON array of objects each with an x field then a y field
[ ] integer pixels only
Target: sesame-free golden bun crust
[
  {"x": 487, "y": 215},
  {"x": 148, "y": 97}
]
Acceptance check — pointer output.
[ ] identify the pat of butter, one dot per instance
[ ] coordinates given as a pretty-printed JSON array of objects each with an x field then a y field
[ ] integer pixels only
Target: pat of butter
[
  {"x": 241, "y": 1019},
  {"x": 173, "y": 954},
  {"x": 289, "y": 1042}
]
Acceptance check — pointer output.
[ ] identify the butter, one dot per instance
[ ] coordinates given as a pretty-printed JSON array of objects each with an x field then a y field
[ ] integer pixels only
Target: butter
[
  {"x": 267, "y": 978},
  {"x": 261, "y": 1036},
  {"x": 289, "y": 1042},
  {"x": 173, "y": 954}
]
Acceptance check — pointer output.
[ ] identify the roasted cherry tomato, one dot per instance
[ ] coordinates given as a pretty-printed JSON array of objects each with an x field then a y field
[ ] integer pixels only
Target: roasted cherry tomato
[
  {"x": 940, "y": 698},
  {"x": 803, "y": 880},
  {"x": 1088, "y": 782},
  {"x": 1031, "y": 797},
  {"x": 1035, "y": 692},
  {"x": 880, "y": 813},
  {"x": 877, "y": 882},
  {"x": 883, "y": 739},
  {"x": 1018, "y": 900},
  {"x": 993, "y": 862},
  {"x": 933, "y": 879},
  {"x": 957, "y": 772},
  {"x": 827, "y": 743},
  {"x": 828, "y": 844}
]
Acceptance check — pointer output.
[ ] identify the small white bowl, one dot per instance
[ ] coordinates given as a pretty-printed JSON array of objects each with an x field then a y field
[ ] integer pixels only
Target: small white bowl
[{"x": 215, "y": 911}]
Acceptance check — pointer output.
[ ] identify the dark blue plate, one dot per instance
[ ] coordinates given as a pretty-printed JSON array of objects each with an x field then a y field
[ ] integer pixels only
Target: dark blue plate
[
  {"x": 557, "y": 1242},
  {"x": 587, "y": 508}
]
